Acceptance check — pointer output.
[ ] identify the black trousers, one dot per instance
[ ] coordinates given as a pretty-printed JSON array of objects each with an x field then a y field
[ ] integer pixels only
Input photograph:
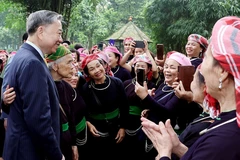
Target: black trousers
[{"x": 2, "y": 136}]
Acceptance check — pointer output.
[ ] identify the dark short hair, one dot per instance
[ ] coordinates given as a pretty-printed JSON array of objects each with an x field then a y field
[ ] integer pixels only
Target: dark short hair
[
  {"x": 66, "y": 41},
  {"x": 201, "y": 79},
  {"x": 77, "y": 53},
  {"x": 25, "y": 36},
  {"x": 77, "y": 46}
]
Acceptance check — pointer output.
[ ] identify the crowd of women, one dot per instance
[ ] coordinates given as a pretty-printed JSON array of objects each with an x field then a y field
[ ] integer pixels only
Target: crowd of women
[{"x": 106, "y": 114}]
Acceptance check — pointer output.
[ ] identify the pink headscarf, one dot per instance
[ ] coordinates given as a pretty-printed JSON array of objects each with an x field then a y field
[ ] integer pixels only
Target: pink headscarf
[
  {"x": 225, "y": 43},
  {"x": 113, "y": 49},
  {"x": 104, "y": 56},
  {"x": 80, "y": 50},
  {"x": 142, "y": 58},
  {"x": 180, "y": 58}
]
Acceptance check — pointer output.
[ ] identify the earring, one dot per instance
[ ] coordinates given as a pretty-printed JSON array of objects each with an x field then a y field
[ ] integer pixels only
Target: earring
[{"x": 220, "y": 84}]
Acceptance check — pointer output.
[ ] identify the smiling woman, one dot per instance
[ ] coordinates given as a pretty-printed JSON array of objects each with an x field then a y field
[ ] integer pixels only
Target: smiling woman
[
  {"x": 107, "y": 110},
  {"x": 164, "y": 104},
  {"x": 220, "y": 69},
  {"x": 195, "y": 48}
]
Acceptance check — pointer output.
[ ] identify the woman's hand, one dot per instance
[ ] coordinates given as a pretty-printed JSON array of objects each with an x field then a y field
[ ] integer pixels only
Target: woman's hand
[
  {"x": 160, "y": 62},
  {"x": 132, "y": 47},
  {"x": 75, "y": 153},
  {"x": 144, "y": 113},
  {"x": 120, "y": 135},
  {"x": 177, "y": 147},
  {"x": 146, "y": 45},
  {"x": 159, "y": 136},
  {"x": 9, "y": 95},
  {"x": 181, "y": 93},
  {"x": 92, "y": 129},
  {"x": 141, "y": 91},
  {"x": 175, "y": 84},
  {"x": 151, "y": 92}
]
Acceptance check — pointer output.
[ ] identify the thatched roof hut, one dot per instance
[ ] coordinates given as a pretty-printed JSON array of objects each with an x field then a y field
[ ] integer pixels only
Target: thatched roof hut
[{"x": 128, "y": 30}]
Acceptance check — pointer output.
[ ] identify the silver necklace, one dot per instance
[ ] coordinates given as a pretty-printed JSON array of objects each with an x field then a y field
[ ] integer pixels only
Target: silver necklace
[
  {"x": 100, "y": 89},
  {"x": 133, "y": 82},
  {"x": 170, "y": 90},
  {"x": 75, "y": 94},
  {"x": 116, "y": 70},
  {"x": 193, "y": 59},
  {"x": 221, "y": 124},
  {"x": 202, "y": 119}
]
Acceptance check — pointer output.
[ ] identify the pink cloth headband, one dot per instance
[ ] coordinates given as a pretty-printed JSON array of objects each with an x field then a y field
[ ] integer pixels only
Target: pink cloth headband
[
  {"x": 180, "y": 58},
  {"x": 113, "y": 50},
  {"x": 141, "y": 58},
  {"x": 104, "y": 56}
]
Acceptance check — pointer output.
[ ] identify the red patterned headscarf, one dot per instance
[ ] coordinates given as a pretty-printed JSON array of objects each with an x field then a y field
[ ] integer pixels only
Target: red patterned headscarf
[
  {"x": 127, "y": 39},
  {"x": 212, "y": 105},
  {"x": 199, "y": 39},
  {"x": 88, "y": 59},
  {"x": 225, "y": 43},
  {"x": 85, "y": 61}
]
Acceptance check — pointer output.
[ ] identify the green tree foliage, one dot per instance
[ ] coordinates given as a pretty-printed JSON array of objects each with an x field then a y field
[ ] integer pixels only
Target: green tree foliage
[
  {"x": 86, "y": 23},
  {"x": 90, "y": 26},
  {"x": 171, "y": 21},
  {"x": 12, "y": 24},
  {"x": 63, "y": 7},
  {"x": 91, "y": 21}
]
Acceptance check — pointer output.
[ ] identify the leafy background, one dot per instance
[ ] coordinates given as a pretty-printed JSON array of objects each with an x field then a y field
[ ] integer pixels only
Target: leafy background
[{"x": 88, "y": 22}]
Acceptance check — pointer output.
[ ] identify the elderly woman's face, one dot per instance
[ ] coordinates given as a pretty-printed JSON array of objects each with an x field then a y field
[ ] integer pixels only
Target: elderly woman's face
[
  {"x": 73, "y": 80},
  {"x": 96, "y": 70},
  {"x": 209, "y": 73},
  {"x": 193, "y": 49},
  {"x": 170, "y": 71},
  {"x": 65, "y": 67},
  {"x": 197, "y": 88}
]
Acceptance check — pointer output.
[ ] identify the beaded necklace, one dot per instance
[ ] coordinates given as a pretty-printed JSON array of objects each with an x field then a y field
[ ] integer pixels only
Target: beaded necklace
[
  {"x": 100, "y": 89},
  {"x": 169, "y": 90}
]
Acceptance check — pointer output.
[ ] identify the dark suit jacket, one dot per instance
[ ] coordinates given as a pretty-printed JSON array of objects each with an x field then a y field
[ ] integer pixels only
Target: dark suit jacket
[{"x": 33, "y": 122}]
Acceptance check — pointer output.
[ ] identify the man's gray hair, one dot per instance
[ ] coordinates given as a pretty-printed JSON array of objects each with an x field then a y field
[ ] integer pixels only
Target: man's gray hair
[{"x": 40, "y": 18}]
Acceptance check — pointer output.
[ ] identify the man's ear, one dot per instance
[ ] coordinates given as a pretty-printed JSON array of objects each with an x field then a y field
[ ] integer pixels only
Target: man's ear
[{"x": 40, "y": 31}]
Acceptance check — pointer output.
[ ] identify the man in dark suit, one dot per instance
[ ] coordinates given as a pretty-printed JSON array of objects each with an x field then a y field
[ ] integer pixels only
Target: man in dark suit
[{"x": 33, "y": 131}]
